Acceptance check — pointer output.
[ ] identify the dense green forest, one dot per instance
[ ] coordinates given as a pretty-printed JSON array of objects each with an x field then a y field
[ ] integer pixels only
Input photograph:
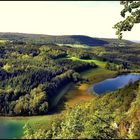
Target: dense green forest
[
  {"x": 69, "y": 86},
  {"x": 117, "y": 54},
  {"x": 32, "y": 74}
]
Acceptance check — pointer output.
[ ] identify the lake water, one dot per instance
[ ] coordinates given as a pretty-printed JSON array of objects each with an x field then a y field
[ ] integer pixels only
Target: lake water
[
  {"x": 10, "y": 129},
  {"x": 115, "y": 83}
]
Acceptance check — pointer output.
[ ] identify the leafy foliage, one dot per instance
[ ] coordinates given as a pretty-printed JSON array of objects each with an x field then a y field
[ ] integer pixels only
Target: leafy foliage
[
  {"x": 133, "y": 8},
  {"x": 107, "y": 116}
]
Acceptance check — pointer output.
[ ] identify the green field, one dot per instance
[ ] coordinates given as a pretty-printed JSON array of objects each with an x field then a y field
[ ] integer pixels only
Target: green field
[
  {"x": 101, "y": 64},
  {"x": 75, "y": 45}
]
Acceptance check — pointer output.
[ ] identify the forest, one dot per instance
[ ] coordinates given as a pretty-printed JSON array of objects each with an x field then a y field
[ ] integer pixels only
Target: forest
[
  {"x": 33, "y": 74},
  {"x": 70, "y": 70},
  {"x": 114, "y": 115}
]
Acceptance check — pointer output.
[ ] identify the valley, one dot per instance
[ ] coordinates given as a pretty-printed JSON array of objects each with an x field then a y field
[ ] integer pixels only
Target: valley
[
  {"x": 70, "y": 70},
  {"x": 71, "y": 95},
  {"x": 40, "y": 83}
]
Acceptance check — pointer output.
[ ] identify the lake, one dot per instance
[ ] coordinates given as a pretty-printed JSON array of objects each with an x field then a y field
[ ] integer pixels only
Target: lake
[{"x": 113, "y": 84}]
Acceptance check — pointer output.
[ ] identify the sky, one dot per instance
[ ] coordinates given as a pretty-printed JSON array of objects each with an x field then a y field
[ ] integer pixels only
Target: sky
[{"x": 92, "y": 18}]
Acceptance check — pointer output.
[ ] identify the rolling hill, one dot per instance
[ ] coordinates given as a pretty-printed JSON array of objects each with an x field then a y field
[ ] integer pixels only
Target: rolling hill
[{"x": 64, "y": 39}]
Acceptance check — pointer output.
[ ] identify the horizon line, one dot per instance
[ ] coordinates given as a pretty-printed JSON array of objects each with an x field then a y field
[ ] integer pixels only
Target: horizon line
[{"x": 66, "y": 35}]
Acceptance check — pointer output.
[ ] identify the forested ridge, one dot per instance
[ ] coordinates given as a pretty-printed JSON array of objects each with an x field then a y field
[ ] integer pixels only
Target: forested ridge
[
  {"x": 32, "y": 75},
  {"x": 64, "y": 39}
]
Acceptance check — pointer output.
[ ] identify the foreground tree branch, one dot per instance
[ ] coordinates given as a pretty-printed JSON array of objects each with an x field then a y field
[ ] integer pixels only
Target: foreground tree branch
[{"x": 131, "y": 13}]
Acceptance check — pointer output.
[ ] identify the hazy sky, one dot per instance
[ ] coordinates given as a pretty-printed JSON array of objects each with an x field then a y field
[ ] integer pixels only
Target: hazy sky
[{"x": 92, "y": 18}]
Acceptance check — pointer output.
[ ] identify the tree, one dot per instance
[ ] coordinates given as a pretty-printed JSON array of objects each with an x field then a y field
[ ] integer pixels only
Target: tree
[{"x": 132, "y": 8}]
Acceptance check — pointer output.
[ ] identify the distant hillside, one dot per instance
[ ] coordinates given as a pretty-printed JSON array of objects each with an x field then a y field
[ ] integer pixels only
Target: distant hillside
[{"x": 65, "y": 39}]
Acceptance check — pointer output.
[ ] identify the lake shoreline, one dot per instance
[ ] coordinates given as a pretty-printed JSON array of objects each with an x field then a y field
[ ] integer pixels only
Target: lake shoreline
[
  {"x": 89, "y": 85},
  {"x": 116, "y": 83}
]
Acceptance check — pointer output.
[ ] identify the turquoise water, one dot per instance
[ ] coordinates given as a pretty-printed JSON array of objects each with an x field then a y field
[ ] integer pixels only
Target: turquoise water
[
  {"x": 115, "y": 83},
  {"x": 10, "y": 129}
]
